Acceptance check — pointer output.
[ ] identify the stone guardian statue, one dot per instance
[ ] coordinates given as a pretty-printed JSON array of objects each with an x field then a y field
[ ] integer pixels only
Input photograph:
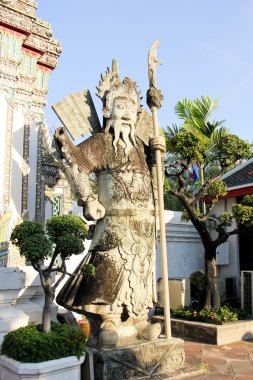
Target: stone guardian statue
[{"x": 118, "y": 298}]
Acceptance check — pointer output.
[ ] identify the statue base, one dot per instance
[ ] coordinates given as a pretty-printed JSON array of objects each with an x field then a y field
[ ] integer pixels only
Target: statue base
[{"x": 144, "y": 358}]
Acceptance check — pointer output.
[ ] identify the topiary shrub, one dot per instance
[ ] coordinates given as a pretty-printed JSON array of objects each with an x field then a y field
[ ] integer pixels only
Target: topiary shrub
[
  {"x": 63, "y": 236},
  {"x": 30, "y": 345},
  {"x": 24, "y": 230}
]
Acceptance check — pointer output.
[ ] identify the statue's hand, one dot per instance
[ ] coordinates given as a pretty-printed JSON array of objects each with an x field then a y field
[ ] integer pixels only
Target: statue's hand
[
  {"x": 158, "y": 143},
  {"x": 93, "y": 210},
  {"x": 63, "y": 165}
]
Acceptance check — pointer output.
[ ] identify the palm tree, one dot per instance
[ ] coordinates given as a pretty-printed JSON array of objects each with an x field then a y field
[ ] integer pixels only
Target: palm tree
[
  {"x": 196, "y": 116},
  {"x": 215, "y": 150}
]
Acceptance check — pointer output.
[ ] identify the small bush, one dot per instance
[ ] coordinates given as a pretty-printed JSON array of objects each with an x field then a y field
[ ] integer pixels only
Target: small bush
[
  {"x": 36, "y": 248},
  {"x": 62, "y": 237},
  {"x": 198, "y": 286},
  {"x": 198, "y": 278},
  {"x": 69, "y": 244},
  {"x": 30, "y": 345},
  {"x": 224, "y": 314},
  {"x": 24, "y": 230},
  {"x": 60, "y": 225}
]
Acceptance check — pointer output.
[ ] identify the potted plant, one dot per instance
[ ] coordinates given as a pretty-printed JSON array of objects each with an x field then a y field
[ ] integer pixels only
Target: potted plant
[{"x": 48, "y": 348}]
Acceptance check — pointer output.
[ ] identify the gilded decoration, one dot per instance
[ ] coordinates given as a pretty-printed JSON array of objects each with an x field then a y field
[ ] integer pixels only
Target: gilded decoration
[
  {"x": 49, "y": 59},
  {"x": 18, "y": 65},
  {"x": 13, "y": 18},
  {"x": 8, "y": 2},
  {"x": 10, "y": 45},
  {"x": 27, "y": 6},
  {"x": 24, "y": 40},
  {"x": 42, "y": 28},
  {"x": 37, "y": 42},
  {"x": 39, "y": 32},
  {"x": 39, "y": 213},
  {"x": 25, "y": 169}
]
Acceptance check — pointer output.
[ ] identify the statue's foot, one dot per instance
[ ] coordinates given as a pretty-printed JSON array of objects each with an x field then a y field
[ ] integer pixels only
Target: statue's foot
[
  {"x": 108, "y": 339},
  {"x": 151, "y": 331},
  {"x": 125, "y": 333}
]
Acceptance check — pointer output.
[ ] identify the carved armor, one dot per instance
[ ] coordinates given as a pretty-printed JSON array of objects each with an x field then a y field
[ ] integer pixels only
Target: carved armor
[{"x": 122, "y": 249}]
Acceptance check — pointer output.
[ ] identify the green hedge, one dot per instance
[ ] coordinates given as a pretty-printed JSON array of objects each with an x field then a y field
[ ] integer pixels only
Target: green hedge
[
  {"x": 224, "y": 313},
  {"x": 29, "y": 345}
]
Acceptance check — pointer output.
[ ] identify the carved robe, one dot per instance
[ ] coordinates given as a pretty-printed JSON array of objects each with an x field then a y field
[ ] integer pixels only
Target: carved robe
[{"x": 123, "y": 245}]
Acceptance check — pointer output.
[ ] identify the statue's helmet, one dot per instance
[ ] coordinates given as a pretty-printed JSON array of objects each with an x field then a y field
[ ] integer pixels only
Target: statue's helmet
[{"x": 111, "y": 87}]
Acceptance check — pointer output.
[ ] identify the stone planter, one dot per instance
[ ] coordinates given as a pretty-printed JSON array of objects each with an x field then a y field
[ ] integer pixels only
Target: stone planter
[
  {"x": 61, "y": 369},
  {"x": 215, "y": 334},
  {"x": 209, "y": 333}
]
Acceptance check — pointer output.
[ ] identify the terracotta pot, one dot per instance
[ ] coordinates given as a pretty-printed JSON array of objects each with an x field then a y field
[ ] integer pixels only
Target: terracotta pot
[{"x": 84, "y": 326}]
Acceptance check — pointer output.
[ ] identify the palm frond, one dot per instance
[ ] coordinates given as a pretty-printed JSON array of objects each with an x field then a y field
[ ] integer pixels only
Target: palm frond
[
  {"x": 173, "y": 130},
  {"x": 183, "y": 109},
  {"x": 196, "y": 114},
  {"x": 203, "y": 108},
  {"x": 219, "y": 134}
]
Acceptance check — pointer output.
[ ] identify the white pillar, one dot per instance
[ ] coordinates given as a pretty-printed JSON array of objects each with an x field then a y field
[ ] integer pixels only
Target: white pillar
[{"x": 3, "y": 124}]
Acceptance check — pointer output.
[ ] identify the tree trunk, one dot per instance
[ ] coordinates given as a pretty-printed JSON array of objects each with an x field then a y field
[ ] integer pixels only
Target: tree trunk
[
  {"x": 49, "y": 298},
  {"x": 212, "y": 291}
]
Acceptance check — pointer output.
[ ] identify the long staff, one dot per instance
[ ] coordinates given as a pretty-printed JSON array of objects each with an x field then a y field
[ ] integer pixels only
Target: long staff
[{"x": 154, "y": 101}]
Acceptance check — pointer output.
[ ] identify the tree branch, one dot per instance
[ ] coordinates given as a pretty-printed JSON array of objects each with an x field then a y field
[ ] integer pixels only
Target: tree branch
[
  {"x": 42, "y": 278},
  {"x": 55, "y": 254}
]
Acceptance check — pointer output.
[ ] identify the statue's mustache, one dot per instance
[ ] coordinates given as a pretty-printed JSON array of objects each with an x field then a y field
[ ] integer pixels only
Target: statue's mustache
[
  {"x": 125, "y": 118},
  {"x": 127, "y": 136}
]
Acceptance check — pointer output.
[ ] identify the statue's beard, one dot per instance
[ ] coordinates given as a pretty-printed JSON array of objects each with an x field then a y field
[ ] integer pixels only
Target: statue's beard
[{"x": 124, "y": 130}]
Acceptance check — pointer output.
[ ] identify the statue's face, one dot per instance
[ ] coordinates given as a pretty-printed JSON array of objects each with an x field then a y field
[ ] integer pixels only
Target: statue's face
[
  {"x": 124, "y": 110},
  {"x": 123, "y": 120}
]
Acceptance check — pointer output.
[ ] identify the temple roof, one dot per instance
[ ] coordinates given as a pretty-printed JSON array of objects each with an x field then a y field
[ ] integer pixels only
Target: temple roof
[
  {"x": 20, "y": 16},
  {"x": 242, "y": 175}
]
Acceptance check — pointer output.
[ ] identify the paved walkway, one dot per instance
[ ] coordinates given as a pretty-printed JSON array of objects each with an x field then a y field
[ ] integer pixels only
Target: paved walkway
[
  {"x": 230, "y": 361},
  {"x": 209, "y": 362}
]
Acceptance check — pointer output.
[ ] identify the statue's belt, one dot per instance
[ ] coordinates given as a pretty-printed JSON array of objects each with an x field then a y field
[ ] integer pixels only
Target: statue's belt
[{"x": 129, "y": 212}]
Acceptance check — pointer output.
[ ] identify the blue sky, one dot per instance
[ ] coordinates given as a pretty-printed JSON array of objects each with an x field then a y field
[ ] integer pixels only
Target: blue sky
[{"x": 206, "y": 49}]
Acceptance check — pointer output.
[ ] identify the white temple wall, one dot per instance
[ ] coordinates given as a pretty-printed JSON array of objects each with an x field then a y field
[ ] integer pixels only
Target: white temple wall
[{"x": 185, "y": 252}]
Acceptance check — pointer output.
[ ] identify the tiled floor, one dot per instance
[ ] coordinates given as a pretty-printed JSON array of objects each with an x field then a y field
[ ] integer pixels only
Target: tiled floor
[
  {"x": 209, "y": 362},
  {"x": 230, "y": 361}
]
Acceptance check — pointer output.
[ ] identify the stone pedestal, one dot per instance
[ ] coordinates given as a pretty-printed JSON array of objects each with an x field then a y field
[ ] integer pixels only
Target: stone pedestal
[
  {"x": 144, "y": 358},
  {"x": 12, "y": 280}
]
